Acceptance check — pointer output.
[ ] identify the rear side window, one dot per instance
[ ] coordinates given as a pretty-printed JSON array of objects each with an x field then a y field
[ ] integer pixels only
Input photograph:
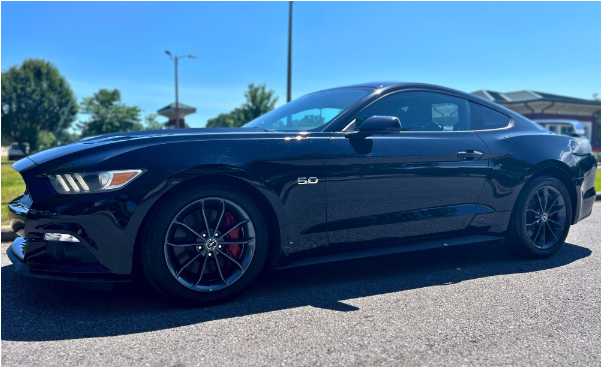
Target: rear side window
[{"x": 484, "y": 118}]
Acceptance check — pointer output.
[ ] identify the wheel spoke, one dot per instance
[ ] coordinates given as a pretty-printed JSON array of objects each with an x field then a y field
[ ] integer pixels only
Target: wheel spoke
[
  {"x": 543, "y": 233},
  {"x": 236, "y": 242},
  {"x": 219, "y": 270},
  {"x": 190, "y": 229},
  {"x": 531, "y": 224},
  {"x": 539, "y": 199},
  {"x": 553, "y": 203},
  {"x": 188, "y": 263},
  {"x": 531, "y": 210},
  {"x": 537, "y": 234},
  {"x": 556, "y": 223},
  {"x": 184, "y": 244},
  {"x": 219, "y": 221},
  {"x": 551, "y": 231},
  {"x": 546, "y": 197},
  {"x": 233, "y": 228},
  {"x": 557, "y": 210},
  {"x": 204, "y": 216},
  {"x": 202, "y": 270},
  {"x": 231, "y": 259}
]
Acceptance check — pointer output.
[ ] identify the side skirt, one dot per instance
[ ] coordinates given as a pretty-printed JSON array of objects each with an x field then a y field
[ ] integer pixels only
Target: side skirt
[{"x": 391, "y": 249}]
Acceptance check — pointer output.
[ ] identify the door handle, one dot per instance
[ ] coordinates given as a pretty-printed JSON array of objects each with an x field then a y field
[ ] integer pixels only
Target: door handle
[{"x": 470, "y": 154}]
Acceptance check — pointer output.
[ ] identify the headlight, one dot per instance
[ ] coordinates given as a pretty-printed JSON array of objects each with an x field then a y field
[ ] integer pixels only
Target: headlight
[{"x": 88, "y": 182}]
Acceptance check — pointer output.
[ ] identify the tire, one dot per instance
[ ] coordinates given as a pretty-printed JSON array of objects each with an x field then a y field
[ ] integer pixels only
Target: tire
[
  {"x": 11, "y": 158},
  {"x": 540, "y": 235},
  {"x": 176, "y": 234}
]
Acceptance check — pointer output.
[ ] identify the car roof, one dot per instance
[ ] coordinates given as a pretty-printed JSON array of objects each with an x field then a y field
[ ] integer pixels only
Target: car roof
[
  {"x": 391, "y": 86},
  {"x": 376, "y": 85}
]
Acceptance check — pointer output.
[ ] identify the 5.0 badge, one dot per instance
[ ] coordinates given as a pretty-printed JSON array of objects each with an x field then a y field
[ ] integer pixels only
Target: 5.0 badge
[{"x": 305, "y": 180}]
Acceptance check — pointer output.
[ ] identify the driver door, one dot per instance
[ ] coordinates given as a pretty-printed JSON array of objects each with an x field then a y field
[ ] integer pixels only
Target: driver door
[{"x": 420, "y": 182}]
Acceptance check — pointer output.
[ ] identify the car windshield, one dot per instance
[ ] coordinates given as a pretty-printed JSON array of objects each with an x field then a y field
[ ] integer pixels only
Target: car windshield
[{"x": 311, "y": 111}]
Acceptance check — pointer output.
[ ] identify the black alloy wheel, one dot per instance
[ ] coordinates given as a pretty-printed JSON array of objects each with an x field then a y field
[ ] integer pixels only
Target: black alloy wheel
[
  {"x": 203, "y": 246},
  {"x": 541, "y": 219},
  {"x": 209, "y": 244},
  {"x": 545, "y": 218}
]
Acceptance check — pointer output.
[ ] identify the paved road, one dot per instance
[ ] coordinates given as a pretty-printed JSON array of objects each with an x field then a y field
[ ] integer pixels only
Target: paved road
[{"x": 471, "y": 305}]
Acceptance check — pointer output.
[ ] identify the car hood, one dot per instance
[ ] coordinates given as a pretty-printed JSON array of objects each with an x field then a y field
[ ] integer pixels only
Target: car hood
[{"x": 135, "y": 139}]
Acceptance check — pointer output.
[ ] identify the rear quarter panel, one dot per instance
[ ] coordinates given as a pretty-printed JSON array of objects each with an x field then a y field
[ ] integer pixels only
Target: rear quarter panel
[{"x": 519, "y": 153}]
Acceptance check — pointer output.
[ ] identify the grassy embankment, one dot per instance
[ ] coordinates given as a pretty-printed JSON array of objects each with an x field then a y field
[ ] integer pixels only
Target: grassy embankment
[{"x": 12, "y": 186}]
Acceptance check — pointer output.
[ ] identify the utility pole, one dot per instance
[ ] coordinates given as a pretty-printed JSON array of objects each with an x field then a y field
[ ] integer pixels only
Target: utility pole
[
  {"x": 290, "y": 50},
  {"x": 175, "y": 60}
]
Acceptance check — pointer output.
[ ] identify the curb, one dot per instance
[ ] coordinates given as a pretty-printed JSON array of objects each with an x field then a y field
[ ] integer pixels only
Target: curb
[{"x": 9, "y": 235}]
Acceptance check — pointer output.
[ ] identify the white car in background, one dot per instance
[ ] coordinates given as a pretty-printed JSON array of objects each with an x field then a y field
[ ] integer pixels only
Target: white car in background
[
  {"x": 15, "y": 152},
  {"x": 572, "y": 128}
]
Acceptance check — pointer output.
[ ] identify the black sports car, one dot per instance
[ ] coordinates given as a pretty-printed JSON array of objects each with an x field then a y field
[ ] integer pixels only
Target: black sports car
[{"x": 350, "y": 172}]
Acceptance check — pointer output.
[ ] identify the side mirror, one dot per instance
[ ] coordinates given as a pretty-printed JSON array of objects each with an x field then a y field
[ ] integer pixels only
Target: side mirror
[{"x": 378, "y": 125}]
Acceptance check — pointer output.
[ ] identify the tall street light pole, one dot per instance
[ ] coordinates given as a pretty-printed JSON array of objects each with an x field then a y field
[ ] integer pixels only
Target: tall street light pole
[
  {"x": 290, "y": 50},
  {"x": 175, "y": 60}
]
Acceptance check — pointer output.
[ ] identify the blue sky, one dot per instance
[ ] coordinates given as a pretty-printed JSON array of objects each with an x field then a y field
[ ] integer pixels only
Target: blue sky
[{"x": 551, "y": 47}]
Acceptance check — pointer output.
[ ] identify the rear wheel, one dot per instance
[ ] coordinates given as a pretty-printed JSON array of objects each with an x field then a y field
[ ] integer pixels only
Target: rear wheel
[
  {"x": 204, "y": 246},
  {"x": 541, "y": 219}
]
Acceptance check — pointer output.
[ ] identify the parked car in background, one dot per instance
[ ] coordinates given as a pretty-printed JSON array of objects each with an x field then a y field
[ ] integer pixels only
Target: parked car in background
[
  {"x": 15, "y": 152},
  {"x": 345, "y": 173},
  {"x": 572, "y": 128}
]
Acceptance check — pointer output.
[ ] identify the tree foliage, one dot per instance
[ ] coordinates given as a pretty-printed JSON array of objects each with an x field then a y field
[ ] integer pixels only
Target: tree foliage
[
  {"x": 259, "y": 102},
  {"x": 151, "y": 122},
  {"x": 108, "y": 114},
  {"x": 35, "y": 98}
]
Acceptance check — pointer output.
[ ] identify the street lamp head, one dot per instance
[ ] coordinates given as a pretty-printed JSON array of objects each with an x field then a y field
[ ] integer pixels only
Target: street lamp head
[
  {"x": 192, "y": 56},
  {"x": 167, "y": 52}
]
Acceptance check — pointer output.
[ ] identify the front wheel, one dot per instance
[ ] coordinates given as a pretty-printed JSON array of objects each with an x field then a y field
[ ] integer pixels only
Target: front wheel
[
  {"x": 204, "y": 246},
  {"x": 541, "y": 219}
]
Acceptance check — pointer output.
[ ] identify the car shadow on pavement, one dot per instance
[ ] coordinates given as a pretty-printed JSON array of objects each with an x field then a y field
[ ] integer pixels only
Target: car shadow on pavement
[{"x": 41, "y": 310}]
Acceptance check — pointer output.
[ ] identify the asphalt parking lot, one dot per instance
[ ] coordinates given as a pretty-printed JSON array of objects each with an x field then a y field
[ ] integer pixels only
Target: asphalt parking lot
[{"x": 471, "y": 305}]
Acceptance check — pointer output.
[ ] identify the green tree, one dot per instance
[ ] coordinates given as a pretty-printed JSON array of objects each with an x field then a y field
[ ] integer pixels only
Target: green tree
[
  {"x": 108, "y": 114},
  {"x": 35, "y": 98},
  {"x": 259, "y": 102},
  {"x": 46, "y": 140},
  {"x": 151, "y": 122}
]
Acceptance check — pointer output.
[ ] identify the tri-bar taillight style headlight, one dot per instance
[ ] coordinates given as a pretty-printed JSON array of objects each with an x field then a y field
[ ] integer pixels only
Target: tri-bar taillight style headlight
[{"x": 90, "y": 182}]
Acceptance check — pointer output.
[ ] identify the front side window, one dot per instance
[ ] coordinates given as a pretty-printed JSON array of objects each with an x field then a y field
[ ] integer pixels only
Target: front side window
[
  {"x": 312, "y": 111},
  {"x": 484, "y": 118},
  {"x": 421, "y": 111}
]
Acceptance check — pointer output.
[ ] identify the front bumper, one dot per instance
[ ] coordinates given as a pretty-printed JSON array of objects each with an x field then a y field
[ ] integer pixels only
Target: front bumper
[
  {"x": 105, "y": 223},
  {"x": 39, "y": 260}
]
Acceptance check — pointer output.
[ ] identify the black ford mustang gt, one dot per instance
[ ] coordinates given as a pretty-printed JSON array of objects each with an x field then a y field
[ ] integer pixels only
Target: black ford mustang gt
[{"x": 343, "y": 173}]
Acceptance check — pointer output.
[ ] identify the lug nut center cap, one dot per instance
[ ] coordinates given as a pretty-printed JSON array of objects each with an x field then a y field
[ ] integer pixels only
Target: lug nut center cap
[
  {"x": 211, "y": 243},
  {"x": 544, "y": 217}
]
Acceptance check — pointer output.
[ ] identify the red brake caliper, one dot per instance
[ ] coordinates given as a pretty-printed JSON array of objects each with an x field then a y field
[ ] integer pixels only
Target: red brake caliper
[{"x": 232, "y": 250}]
